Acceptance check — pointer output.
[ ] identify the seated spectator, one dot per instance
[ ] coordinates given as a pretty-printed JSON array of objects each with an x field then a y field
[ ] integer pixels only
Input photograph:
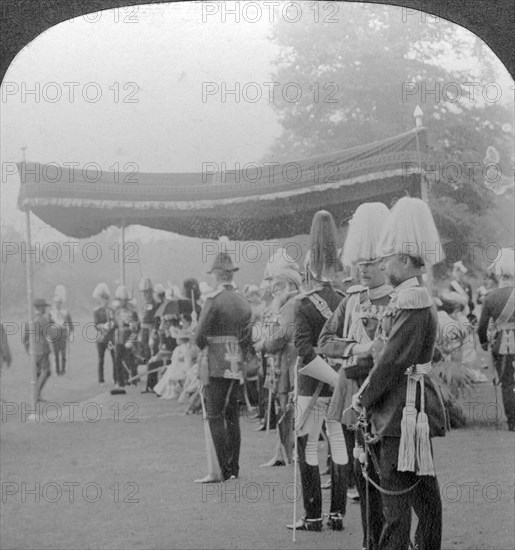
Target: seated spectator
[{"x": 183, "y": 357}]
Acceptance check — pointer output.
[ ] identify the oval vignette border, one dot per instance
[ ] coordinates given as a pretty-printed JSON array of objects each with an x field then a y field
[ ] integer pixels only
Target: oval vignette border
[{"x": 24, "y": 20}]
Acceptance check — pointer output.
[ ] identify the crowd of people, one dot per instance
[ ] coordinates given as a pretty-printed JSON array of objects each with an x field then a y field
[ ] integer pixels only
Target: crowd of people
[{"x": 341, "y": 346}]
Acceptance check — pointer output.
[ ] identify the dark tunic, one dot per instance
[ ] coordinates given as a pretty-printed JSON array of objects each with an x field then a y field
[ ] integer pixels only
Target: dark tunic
[
  {"x": 309, "y": 323},
  {"x": 411, "y": 339},
  {"x": 492, "y": 307},
  {"x": 225, "y": 314}
]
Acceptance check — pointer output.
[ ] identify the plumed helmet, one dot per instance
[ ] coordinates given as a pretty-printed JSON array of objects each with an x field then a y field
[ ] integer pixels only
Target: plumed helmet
[
  {"x": 122, "y": 293},
  {"x": 223, "y": 262},
  {"x": 411, "y": 230},
  {"x": 322, "y": 258},
  {"x": 101, "y": 291},
  {"x": 365, "y": 230},
  {"x": 145, "y": 284}
]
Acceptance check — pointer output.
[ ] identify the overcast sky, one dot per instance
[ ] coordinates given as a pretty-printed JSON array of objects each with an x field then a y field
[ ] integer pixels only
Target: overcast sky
[{"x": 148, "y": 76}]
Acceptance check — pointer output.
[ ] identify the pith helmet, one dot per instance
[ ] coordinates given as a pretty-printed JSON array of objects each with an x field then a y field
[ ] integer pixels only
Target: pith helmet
[
  {"x": 223, "y": 262},
  {"x": 122, "y": 293},
  {"x": 145, "y": 284}
]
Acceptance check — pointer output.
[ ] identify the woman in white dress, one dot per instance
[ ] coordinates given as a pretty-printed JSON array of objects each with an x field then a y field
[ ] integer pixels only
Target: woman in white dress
[{"x": 183, "y": 357}]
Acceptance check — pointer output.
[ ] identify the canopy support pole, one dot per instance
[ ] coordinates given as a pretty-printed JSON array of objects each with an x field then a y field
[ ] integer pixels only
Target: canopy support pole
[
  {"x": 31, "y": 329},
  {"x": 122, "y": 256}
]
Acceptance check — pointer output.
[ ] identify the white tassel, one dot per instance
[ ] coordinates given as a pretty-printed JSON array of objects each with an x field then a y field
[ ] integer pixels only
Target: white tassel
[
  {"x": 425, "y": 466},
  {"x": 406, "y": 457}
]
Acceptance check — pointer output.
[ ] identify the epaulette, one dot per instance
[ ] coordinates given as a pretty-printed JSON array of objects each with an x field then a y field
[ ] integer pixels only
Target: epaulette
[
  {"x": 356, "y": 288},
  {"x": 215, "y": 293},
  {"x": 416, "y": 297}
]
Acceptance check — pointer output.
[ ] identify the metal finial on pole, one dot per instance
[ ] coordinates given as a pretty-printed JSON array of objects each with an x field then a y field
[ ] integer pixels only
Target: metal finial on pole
[{"x": 419, "y": 115}]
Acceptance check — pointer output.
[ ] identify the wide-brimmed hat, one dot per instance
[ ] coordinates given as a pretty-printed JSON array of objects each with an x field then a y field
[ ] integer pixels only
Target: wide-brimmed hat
[
  {"x": 40, "y": 302},
  {"x": 223, "y": 262}
]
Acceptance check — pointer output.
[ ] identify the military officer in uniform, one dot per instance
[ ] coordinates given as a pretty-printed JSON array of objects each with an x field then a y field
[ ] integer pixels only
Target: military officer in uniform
[
  {"x": 63, "y": 321},
  {"x": 277, "y": 339},
  {"x": 125, "y": 336},
  {"x": 224, "y": 331},
  {"x": 43, "y": 335},
  {"x": 312, "y": 310},
  {"x": 499, "y": 307},
  {"x": 148, "y": 310},
  {"x": 348, "y": 335},
  {"x": 403, "y": 422},
  {"x": 103, "y": 317}
]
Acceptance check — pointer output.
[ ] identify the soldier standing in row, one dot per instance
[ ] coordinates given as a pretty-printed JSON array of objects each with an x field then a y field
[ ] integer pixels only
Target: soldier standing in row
[
  {"x": 404, "y": 423},
  {"x": 62, "y": 319},
  {"x": 103, "y": 317},
  {"x": 312, "y": 310},
  {"x": 44, "y": 332},
  {"x": 349, "y": 335},
  {"x": 148, "y": 310},
  {"x": 499, "y": 308},
  {"x": 125, "y": 337},
  {"x": 224, "y": 330},
  {"x": 278, "y": 340}
]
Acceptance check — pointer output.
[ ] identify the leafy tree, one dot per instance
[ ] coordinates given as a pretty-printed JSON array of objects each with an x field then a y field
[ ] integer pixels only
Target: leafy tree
[{"x": 361, "y": 78}]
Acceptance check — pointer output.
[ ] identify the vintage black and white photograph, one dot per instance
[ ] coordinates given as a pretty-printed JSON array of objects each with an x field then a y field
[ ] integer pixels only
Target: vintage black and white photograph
[{"x": 257, "y": 277}]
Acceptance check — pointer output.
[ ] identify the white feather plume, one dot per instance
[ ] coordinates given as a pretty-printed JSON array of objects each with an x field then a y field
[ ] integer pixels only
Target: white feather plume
[
  {"x": 411, "y": 230},
  {"x": 365, "y": 230},
  {"x": 101, "y": 291}
]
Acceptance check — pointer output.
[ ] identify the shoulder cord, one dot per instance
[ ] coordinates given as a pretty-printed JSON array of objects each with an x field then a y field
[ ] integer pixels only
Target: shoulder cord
[{"x": 321, "y": 305}]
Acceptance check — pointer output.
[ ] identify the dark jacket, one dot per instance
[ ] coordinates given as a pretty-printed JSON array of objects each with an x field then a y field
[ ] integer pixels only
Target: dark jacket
[
  {"x": 493, "y": 305},
  {"x": 44, "y": 332},
  {"x": 226, "y": 315},
  {"x": 411, "y": 339},
  {"x": 309, "y": 323}
]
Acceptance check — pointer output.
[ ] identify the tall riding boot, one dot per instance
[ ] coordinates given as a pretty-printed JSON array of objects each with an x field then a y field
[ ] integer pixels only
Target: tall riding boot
[
  {"x": 310, "y": 480},
  {"x": 339, "y": 482}
]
